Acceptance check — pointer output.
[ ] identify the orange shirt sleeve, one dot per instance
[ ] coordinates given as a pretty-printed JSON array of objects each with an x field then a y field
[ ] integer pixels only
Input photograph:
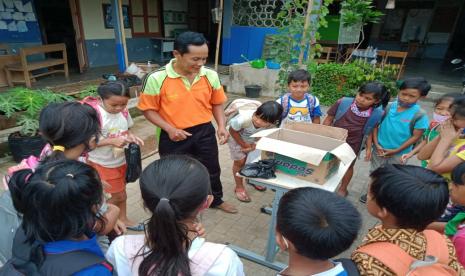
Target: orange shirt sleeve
[{"x": 218, "y": 96}]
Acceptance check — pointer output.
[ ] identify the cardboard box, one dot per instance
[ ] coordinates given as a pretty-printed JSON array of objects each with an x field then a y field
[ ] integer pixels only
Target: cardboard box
[{"x": 307, "y": 156}]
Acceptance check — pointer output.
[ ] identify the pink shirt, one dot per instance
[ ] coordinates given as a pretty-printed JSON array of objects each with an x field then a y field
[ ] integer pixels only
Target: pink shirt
[{"x": 459, "y": 242}]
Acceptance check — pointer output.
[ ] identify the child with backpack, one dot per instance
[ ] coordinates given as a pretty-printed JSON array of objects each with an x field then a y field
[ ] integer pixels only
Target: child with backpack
[
  {"x": 171, "y": 245},
  {"x": 241, "y": 128},
  {"x": 455, "y": 228},
  {"x": 298, "y": 104},
  {"x": 59, "y": 202},
  {"x": 108, "y": 158},
  {"x": 406, "y": 199},
  {"x": 314, "y": 226},
  {"x": 360, "y": 116},
  {"x": 71, "y": 130},
  {"x": 441, "y": 113},
  {"x": 402, "y": 125}
]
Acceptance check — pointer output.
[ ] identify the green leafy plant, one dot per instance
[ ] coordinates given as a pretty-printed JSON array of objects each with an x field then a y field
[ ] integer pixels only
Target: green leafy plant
[
  {"x": 332, "y": 81},
  {"x": 286, "y": 46},
  {"x": 90, "y": 90},
  {"x": 359, "y": 12},
  {"x": 29, "y": 103}
]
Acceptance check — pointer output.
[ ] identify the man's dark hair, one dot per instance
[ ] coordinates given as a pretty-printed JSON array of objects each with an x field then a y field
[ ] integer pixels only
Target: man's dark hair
[
  {"x": 415, "y": 196},
  {"x": 182, "y": 42},
  {"x": 419, "y": 83},
  {"x": 299, "y": 75},
  {"x": 320, "y": 224}
]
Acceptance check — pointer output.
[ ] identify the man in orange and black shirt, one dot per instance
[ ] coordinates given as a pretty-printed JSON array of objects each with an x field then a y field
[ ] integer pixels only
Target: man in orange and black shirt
[{"x": 182, "y": 98}]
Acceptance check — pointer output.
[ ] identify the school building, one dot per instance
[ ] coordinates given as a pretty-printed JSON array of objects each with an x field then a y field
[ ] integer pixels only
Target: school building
[{"x": 431, "y": 30}]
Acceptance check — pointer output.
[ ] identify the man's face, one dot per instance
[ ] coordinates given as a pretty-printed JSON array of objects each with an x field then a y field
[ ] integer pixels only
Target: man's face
[{"x": 193, "y": 60}]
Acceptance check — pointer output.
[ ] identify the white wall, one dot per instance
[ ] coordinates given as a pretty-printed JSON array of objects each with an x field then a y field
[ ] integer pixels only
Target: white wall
[
  {"x": 92, "y": 20},
  {"x": 174, "y": 5}
]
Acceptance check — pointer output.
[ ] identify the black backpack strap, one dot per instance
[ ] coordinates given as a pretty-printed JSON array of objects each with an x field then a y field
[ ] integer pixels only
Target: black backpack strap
[
  {"x": 69, "y": 263},
  {"x": 349, "y": 266}
]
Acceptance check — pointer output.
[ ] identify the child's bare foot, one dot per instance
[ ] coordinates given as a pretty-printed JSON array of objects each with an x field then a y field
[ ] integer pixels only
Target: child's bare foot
[{"x": 241, "y": 195}]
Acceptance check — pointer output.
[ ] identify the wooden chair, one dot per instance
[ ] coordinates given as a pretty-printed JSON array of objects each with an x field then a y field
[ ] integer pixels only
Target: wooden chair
[
  {"x": 27, "y": 67},
  {"x": 5, "y": 49},
  {"x": 381, "y": 56},
  {"x": 397, "y": 55},
  {"x": 325, "y": 55}
]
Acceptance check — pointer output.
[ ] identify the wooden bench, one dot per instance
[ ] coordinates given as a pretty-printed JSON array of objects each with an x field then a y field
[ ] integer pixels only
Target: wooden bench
[{"x": 27, "y": 67}]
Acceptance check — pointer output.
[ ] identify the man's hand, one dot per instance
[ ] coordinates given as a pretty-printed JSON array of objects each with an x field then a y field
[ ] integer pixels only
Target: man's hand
[
  {"x": 177, "y": 135},
  {"x": 223, "y": 135}
]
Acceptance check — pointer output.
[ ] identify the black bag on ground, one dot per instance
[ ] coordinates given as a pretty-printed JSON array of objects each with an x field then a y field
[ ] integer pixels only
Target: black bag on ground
[
  {"x": 133, "y": 161},
  {"x": 261, "y": 169}
]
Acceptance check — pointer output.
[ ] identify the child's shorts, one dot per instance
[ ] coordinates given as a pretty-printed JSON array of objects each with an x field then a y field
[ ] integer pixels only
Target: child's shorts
[
  {"x": 235, "y": 150},
  {"x": 378, "y": 161},
  {"x": 114, "y": 177}
]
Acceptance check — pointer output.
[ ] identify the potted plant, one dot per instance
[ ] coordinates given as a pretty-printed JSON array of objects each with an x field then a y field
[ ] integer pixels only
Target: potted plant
[{"x": 26, "y": 104}]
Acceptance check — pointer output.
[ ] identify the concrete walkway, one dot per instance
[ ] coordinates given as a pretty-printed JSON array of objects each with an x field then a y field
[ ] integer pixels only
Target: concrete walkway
[{"x": 249, "y": 228}]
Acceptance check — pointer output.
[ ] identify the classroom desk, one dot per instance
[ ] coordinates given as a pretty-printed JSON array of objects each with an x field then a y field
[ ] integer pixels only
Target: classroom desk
[{"x": 281, "y": 184}]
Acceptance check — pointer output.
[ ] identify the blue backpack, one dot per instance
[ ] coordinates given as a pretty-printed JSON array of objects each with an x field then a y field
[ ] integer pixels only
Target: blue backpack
[{"x": 286, "y": 104}]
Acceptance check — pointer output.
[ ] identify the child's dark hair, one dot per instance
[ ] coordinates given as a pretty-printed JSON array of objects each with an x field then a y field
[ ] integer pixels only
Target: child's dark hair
[
  {"x": 171, "y": 197},
  {"x": 447, "y": 97},
  {"x": 299, "y": 75},
  {"x": 319, "y": 224},
  {"x": 458, "y": 107},
  {"x": 419, "y": 83},
  {"x": 113, "y": 88},
  {"x": 458, "y": 174},
  {"x": 415, "y": 196},
  {"x": 379, "y": 91},
  {"x": 270, "y": 112},
  {"x": 59, "y": 201},
  {"x": 68, "y": 125},
  {"x": 182, "y": 41}
]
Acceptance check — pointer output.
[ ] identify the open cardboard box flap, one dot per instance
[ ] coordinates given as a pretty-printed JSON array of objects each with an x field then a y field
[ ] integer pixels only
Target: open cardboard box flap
[
  {"x": 307, "y": 147},
  {"x": 323, "y": 130}
]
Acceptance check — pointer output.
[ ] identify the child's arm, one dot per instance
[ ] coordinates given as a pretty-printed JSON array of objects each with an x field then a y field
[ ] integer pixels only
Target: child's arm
[
  {"x": 237, "y": 137},
  {"x": 369, "y": 147},
  {"x": 379, "y": 149},
  {"x": 316, "y": 120},
  {"x": 118, "y": 142},
  {"x": 135, "y": 139},
  {"x": 416, "y": 149},
  {"x": 437, "y": 226},
  {"x": 328, "y": 121},
  {"x": 417, "y": 133},
  {"x": 426, "y": 152},
  {"x": 440, "y": 162}
]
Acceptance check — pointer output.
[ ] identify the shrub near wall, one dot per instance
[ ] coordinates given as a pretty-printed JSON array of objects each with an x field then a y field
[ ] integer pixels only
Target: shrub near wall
[{"x": 332, "y": 81}]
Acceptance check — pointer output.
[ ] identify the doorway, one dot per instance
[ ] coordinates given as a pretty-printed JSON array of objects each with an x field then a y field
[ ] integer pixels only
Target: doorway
[
  {"x": 58, "y": 21},
  {"x": 200, "y": 20}
]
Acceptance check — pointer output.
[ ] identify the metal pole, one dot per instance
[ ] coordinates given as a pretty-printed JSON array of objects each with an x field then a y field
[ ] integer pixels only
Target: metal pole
[
  {"x": 218, "y": 38},
  {"x": 119, "y": 35}
]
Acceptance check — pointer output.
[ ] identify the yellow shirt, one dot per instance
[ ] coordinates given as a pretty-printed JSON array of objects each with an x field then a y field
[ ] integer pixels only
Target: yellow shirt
[{"x": 457, "y": 149}]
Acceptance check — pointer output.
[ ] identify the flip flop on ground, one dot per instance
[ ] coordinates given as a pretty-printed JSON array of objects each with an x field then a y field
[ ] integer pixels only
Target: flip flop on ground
[
  {"x": 138, "y": 227},
  {"x": 258, "y": 187}
]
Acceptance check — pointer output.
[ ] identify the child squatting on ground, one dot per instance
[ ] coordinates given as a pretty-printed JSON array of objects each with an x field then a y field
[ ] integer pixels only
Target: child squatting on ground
[
  {"x": 298, "y": 103},
  {"x": 402, "y": 126},
  {"x": 241, "y": 128},
  {"x": 406, "y": 199},
  {"x": 360, "y": 116},
  {"x": 314, "y": 226},
  {"x": 108, "y": 158},
  {"x": 171, "y": 243}
]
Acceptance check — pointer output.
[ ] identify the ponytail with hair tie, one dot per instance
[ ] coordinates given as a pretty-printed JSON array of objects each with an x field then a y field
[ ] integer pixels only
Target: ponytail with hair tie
[{"x": 58, "y": 148}]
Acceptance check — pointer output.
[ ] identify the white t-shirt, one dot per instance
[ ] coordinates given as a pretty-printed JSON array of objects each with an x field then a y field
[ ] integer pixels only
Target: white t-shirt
[
  {"x": 242, "y": 122},
  {"x": 298, "y": 110},
  {"x": 227, "y": 264},
  {"x": 113, "y": 125},
  {"x": 337, "y": 270}
]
